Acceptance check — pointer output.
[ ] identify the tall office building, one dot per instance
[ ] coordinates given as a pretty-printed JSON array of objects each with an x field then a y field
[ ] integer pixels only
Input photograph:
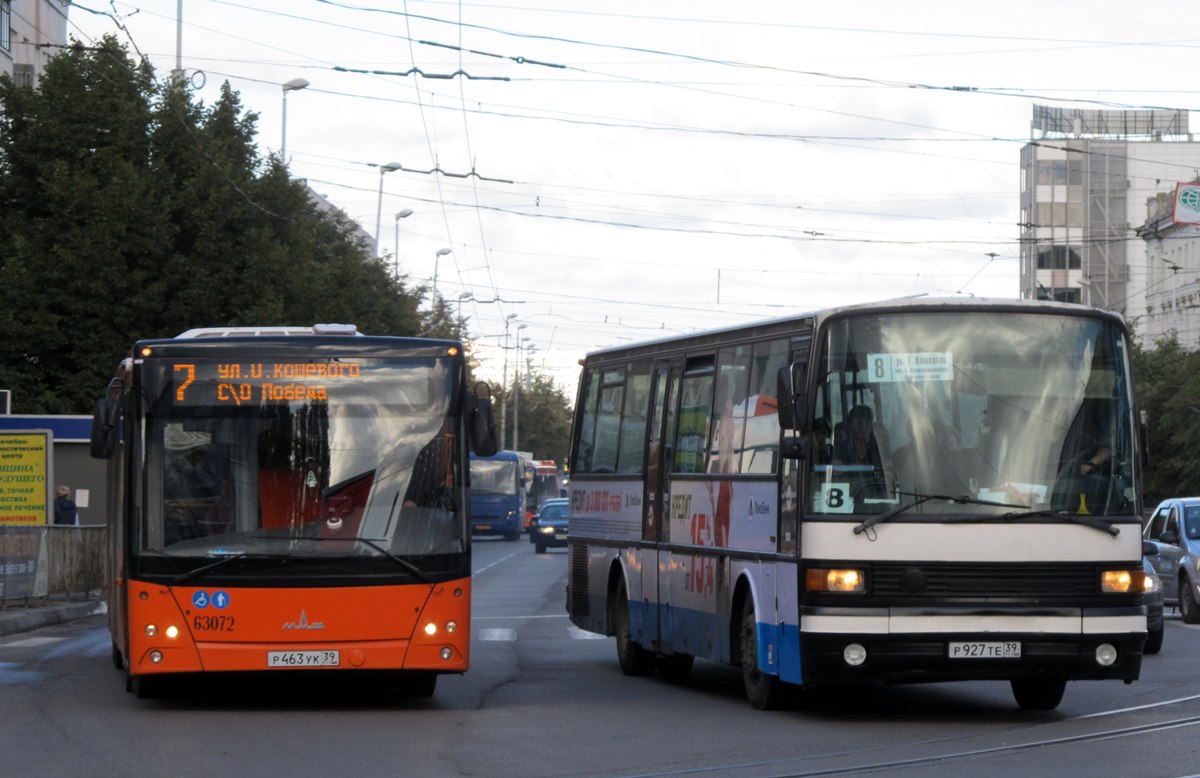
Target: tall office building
[
  {"x": 1085, "y": 178},
  {"x": 31, "y": 32}
]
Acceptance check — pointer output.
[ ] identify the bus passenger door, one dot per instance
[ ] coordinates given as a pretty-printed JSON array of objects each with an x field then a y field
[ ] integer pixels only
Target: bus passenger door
[{"x": 656, "y": 499}]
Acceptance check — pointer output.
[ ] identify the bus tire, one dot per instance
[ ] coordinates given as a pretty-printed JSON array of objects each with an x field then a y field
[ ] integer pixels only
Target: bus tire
[
  {"x": 1154, "y": 641},
  {"x": 634, "y": 659},
  {"x": 765, "y": 691},
  {"x": 1189, "y": 611},
  {"x": 1038, "y": 693},
  {"x": 420, "y": 684},
  {"x": 145, "y": 687}
]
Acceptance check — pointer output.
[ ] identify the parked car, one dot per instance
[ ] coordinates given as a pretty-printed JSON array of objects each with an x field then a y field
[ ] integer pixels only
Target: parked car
[
  {"x": 1153, "y": 598},
  {"x": 1174, "y": 529},
  {"x": 549, "y": 526}
]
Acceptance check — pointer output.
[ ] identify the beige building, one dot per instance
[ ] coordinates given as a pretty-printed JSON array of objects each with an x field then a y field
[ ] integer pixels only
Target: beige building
[
  {"x": 1085, "y": 176},
  {"x": 1172, "y": 245},
  {"x": 31, "y": 32}
]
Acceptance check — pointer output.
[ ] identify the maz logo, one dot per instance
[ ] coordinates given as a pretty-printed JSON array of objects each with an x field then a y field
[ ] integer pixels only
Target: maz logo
[{"x": 303, "y": 623}]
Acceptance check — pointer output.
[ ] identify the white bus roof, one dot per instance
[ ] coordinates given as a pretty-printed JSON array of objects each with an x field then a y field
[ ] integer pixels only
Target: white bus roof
[{"x": 226, "y": 332}]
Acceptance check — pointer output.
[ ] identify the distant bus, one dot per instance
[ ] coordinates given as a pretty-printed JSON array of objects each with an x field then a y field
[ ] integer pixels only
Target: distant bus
[
  {"x": 922, "y": 490},
  {"x": 547, "y": 483},
  {"x": 291, "y": 499},
  {"x": 498, "y": 494}
]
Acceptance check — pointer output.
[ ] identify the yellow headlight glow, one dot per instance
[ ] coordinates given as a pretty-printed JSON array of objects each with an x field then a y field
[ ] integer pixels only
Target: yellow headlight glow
[
  {"x": 833, "y": 580},
  {"x": 1122, "y": 581}
]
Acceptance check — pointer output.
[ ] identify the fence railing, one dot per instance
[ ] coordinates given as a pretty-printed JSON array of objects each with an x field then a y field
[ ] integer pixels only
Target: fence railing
[{"x": 51, "y": 561}]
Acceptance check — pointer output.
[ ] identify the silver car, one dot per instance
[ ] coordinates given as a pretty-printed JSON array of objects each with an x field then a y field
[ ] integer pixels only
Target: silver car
[{"x": 1174, "y": 529}]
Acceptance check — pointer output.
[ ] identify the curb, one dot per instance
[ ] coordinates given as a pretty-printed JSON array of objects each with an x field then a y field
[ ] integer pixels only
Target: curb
[{"x": 27, "y": 619}]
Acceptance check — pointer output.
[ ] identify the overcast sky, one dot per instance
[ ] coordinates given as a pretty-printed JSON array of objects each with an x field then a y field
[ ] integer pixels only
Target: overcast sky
[{"x": 615, "y": 171}]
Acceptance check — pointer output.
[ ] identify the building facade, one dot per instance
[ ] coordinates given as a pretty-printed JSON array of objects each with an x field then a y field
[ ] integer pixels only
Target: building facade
[
  {"x": 1085, "y": 177},
  {"x": 1172, "y": 245},
  {"x": 31, "y": 32}
]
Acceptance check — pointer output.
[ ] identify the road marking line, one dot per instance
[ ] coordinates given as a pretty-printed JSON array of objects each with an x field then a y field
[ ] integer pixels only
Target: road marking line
[
  {"x": 583, "y": 634},
  {"x": 31, "y": 642},
  {"x": 497, "y": 634}
]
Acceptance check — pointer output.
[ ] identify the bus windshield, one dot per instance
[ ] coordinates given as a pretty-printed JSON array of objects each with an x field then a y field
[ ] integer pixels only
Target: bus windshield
[
  {"x": 331, "y": 458},
  {"x": 1024, "y": 412},
  {"x": 494, "y": 476}
]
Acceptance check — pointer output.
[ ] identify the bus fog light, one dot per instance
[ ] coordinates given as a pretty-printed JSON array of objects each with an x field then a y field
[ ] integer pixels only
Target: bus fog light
[
  {"x": 452, "y": 627},
  {"x": 1106, "y": 654},
  {"x": 156, "y": 657},
  {"x": 854, "y": 654},
  {"x": 151, "y": 630},
  {"x": 447, "y": 653},
  {"x": 172, "y": 632},
  {"x": 431, "y": 629}
]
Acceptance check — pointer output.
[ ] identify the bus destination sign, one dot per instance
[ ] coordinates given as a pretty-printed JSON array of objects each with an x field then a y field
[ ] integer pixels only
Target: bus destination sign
[{"x": 234, "y": 383}]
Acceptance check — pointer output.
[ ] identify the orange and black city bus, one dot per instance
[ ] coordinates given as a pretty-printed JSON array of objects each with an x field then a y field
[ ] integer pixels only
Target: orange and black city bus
[{"x": 290, "y": 499}]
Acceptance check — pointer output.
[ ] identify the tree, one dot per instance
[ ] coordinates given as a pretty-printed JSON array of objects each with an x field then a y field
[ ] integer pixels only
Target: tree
[
  {"x": 128, "y": 210},
  {"x": 544, "y": 417},
  {"x": 1168, "y": 384}
]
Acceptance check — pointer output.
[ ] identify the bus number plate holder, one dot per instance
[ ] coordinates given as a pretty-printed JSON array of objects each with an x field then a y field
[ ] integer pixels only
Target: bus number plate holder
[
  {"x": 985, "y": 649},
  {"x": 330, "y": 658}
]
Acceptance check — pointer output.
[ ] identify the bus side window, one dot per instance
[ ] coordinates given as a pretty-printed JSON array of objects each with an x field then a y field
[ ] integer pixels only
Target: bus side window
[{"x": 695, "y": 409}]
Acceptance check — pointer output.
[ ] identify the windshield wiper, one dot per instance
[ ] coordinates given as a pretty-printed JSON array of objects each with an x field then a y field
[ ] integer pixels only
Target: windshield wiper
[
  {"x": 1069, "y": 518},
  {"x": 409, "y": 566},
  {"x": 195, "y": 571},
  {"x": 962, "y": 499}
]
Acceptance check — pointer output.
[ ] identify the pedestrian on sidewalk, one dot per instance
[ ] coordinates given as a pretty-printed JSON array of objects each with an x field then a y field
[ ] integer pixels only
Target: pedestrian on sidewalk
[{"x": 65, "y": 511}]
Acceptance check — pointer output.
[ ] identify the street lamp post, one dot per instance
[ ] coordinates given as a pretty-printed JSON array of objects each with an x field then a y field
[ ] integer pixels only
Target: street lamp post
[
  {"x": 504, "y": 378},
  {"x": 517, "y": 390},
  {"x": 291, "y": 86},
  {"x": 437, "y": 258},
  {"x": 388, "y": 168},
  {"x": 396, "y": 256}
]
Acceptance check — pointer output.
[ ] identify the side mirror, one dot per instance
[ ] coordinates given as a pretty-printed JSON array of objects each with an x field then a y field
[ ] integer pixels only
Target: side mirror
[
  {"x": 795, "y": 447},
  {"x": 1149, "y": 549},
  {"x": 789, "y": 391},
  {"x": 106, "y": 423},
  {"x": 481, "y": 424}
]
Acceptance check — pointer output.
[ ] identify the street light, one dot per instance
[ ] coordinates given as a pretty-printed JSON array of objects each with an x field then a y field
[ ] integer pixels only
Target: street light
[
  {"x": 396, "y": 257},
  {"x": 517, "y": 389},
  {"x": 504, "y": 377},
  {"x": 291, "y": 86},
  {"x": 436, "y": 258},
  {"x": 388, "y": 168}
]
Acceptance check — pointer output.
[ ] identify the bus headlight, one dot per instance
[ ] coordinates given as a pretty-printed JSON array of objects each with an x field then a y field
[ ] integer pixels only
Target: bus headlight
[
  {"x": 151, "y": 630},
  {"x": 172, "y": 632},
  {"x": 1122, "y": 581},
  {"x": 842, "y": 581},
  {"x": 431, "y": 629}
]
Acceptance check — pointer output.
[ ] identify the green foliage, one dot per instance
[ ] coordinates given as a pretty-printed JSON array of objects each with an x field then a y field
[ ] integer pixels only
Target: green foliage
[
  {"x": 128, "y": 210},
  {"x": 1168, "y": 384},
  {"x": 543, "y": 420}
]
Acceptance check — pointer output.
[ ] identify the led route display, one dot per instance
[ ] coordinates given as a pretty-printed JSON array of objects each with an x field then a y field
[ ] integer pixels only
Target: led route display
[{"x": 234, "y": 383}]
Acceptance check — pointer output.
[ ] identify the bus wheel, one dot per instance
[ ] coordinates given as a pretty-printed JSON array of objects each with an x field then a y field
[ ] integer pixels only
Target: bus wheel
[
  {"x": 762, "y": 689},
  {"x": 634, "y": 659},
  {"x": 1038, "y": 693},
  {"x": 420, "y": 684},
  {"x": 145, "y": 687},
  {"x": 1189, "y": 611}
]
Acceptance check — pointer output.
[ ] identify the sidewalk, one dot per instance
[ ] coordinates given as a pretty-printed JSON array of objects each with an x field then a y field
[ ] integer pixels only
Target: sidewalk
[{"x": 24, "y": 616}]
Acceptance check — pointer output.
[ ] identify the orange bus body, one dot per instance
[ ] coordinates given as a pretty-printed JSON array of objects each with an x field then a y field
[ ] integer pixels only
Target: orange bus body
[{"x": 359, "y": 623}]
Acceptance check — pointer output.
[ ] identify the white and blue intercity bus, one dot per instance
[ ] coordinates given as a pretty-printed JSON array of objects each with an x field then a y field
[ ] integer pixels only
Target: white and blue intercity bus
[{"x": 905, "y": 491}]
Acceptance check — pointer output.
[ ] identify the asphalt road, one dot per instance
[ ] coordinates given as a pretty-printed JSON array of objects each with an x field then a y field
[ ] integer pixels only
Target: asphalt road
[{"x": 544, "y": 699}]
